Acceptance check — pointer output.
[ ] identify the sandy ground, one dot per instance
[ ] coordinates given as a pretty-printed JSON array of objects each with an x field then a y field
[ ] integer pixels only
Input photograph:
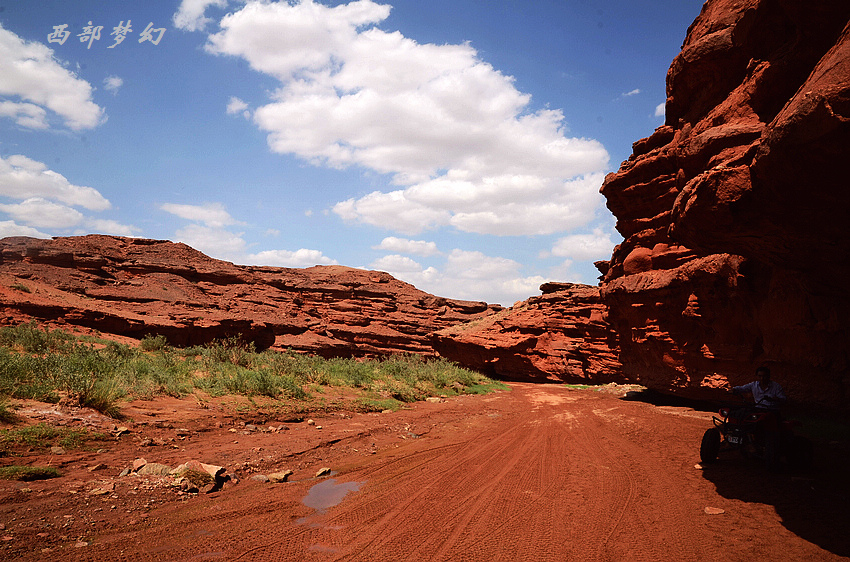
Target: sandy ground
[{"x": 538, "y": 473}]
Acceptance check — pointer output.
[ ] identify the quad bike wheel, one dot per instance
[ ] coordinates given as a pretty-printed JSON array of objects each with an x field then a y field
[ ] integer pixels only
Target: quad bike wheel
[{"x": 710, "y": 446}]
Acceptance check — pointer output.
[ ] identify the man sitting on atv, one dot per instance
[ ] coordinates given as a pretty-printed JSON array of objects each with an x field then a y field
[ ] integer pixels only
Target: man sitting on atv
[{"x": 768, "y": 396}]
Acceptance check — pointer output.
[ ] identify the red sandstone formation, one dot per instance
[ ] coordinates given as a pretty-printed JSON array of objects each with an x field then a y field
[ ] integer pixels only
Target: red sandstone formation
[
  {"x": 562, "y": 335},
  {"x": 135, "y": 287},
  {"x": 735, "y": 212}
]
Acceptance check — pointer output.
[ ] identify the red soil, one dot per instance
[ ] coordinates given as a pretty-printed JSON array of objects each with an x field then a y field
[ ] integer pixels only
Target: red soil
[{"x": 539, "y": 473}]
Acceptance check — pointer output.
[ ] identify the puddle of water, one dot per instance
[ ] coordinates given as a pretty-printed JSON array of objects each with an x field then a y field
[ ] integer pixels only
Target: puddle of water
[{"x": 328, "y": 493}]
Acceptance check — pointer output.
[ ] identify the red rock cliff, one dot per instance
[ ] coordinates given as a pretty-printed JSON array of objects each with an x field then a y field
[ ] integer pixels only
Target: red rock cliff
[
  {"x": 134, "y": 287},
  {"x": 735, "y": 213}
]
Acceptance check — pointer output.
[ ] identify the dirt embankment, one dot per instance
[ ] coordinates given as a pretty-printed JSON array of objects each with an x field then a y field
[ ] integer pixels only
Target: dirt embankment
[{"x": 542, "y": 472}]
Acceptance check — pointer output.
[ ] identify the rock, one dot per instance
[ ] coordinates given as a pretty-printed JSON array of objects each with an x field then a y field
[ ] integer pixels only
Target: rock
[
  {"x": 139, "y": 463},
  {"x": 57, "y": 450},
  {"x": 323, "y": 472},
  {"x": 121, "y": 431},
  {"x": 734, "y": 212},
  {"x": 99, "y": 466},
  {"x": 714, "y": 511},
  {"x": 433, "y": 399},
  {"x": 281, "y": 476},
  {"x": 260, "y": 478},
  {"x": 154, "y": 469},
  {"x": 560, "y": 335},
  {"x": 136, "y": 287},
  {"x": 124, "y": 472}
]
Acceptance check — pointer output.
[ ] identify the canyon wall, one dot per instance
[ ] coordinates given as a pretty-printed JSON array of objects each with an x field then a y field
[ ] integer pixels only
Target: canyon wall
[
  {"x": 735, "y": 213},
  {"x": 136, "y": 287}
]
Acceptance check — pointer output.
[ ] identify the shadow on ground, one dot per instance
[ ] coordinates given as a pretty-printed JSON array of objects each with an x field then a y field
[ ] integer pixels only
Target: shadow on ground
[{"x": 813, "y": 504}]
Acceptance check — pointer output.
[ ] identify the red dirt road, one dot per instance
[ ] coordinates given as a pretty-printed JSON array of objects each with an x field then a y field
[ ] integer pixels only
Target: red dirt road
[{"x": 539, "y": 473}]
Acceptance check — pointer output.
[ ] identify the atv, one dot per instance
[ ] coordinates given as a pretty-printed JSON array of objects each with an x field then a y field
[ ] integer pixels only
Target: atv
[{"x": 745, "y": 428}]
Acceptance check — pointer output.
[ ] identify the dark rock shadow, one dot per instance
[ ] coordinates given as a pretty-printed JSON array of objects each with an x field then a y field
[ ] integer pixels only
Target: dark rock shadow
[
  {"x": 814, "y": 505},
  {"x": 656, "y": 398}
]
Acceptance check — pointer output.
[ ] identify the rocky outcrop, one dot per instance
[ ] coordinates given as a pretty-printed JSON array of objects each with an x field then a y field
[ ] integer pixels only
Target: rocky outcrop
[
  {"x": 135, "y": 287},
  {"x": 561, "y": 335},
  {"x": 735, "y": 212}
]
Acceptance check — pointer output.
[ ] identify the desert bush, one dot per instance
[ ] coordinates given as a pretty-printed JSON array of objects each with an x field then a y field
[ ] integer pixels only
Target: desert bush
[
  {"x": 153, "y": 343},
  {"x": 28, "y": 473}
]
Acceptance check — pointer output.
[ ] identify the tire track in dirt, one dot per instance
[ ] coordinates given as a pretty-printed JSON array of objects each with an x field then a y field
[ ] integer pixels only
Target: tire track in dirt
[{"x": 548, "y": 478}]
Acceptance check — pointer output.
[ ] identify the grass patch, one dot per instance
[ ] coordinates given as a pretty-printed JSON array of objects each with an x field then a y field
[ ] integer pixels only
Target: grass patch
[
  {"x": 28, "y": 473},
  {"x": 41, "y": 436},
  {"x": 47, "y": 365},
  {"x": 22, "y": 288}
]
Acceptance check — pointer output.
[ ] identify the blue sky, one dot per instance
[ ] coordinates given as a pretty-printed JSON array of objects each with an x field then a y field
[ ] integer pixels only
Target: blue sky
[{"x": 458, "y": 145}]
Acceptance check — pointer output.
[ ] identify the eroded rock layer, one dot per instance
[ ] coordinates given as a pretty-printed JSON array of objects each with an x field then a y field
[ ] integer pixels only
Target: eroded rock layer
[
  {"x": 735, "y": 212},
  {"x": 560, "y": 335},
  {"x": 135, "y": 287}
]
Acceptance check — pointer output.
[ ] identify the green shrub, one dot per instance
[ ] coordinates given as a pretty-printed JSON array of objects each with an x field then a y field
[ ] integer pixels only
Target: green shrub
[
  {"x": 153, "y": 343},
  {"x": 28, "y": 473}
]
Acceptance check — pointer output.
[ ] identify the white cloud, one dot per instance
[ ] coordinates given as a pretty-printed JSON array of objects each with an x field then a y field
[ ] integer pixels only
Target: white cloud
[
  {"x": 25, "y": 115},
  {"x": 113, "y": 83},
  {"x": 190, "y": 14},
  {"x": 11, "y": 228},
  {"x": 30, "y": 75},
  {"x": 213, "y": 215},
  {"x": 214, "y": 241},
  {"x": 235, "y": 105},
  {"x": 585, "y": 247},
  {"x": 108, "y": 226},
  {"x": 453, "y": 132},
  {"x": 285, "y": 258},
  {"x": 39, "y": 212},
  {"x": 465, "y": 275},
  {"x": 23, "y": 178},
  {"x": 659, "y": 109},
  {"x": 634, "y": 92},
  {"x": 405, "y": 246}
]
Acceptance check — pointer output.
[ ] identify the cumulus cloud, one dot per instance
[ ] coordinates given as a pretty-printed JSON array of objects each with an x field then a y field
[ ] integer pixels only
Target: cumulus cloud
[
  {"x": 465, "y": 275},
  {"x": 11, "y": 228},
  {"x": 585, "y": 247},
  {"x": 23, "y": 178},
  {"x": 113, "y": 83},
  {"x": 405, "y": 246},
  {"x": 454, "y": 134},
  {"x": 39, "y": 212},
  {"x": 33, "y": 81},
  {"x": 215, "y": 241},
  {"x": 659, "y": 109},
  {"x": 213, "y": 215},
  {"x": 191, "y": 16},
  {"x": 109, "y": 226},
  {"x": 285, "y": 258}
]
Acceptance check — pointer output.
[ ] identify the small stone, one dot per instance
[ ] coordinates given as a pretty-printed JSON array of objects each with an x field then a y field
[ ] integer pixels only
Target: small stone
[
  {"x": 282, "y": 476},
  {"x": 154, "y": 469},
  {"x": 57, "y": 450},
  {"x": 124, "y": 473},
  {"x": 250, "y": 427},
  {"x": 260, "y": 478},
  {"x": 323, "y": 472},
  {"x": 714, "y": 511},
  {"x": 386, "y": 411},
  {"x": 311, "y": 422},
  {"x": 433, "y": 399},
  {"x": 121, "y": 431},
  {"x": 81, "y": 544},
  {"x": 99, "y": 466},
  {"x": 318, "y": 427},
  {"x": 139, "y": 463},
  {"x": 698, "y": 466}
]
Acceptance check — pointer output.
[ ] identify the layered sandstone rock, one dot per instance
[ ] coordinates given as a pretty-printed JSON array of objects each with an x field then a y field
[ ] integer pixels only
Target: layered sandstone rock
[
  {"x": 135, "y": 287},
  {"x": 560, "y": 335},
  {"x": 735, "y": 212}
]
